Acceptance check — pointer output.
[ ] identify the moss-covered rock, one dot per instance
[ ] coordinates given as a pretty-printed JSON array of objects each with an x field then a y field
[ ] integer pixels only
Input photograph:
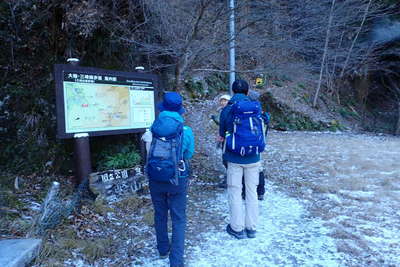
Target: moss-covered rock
[{"x": 284, "y": 117}]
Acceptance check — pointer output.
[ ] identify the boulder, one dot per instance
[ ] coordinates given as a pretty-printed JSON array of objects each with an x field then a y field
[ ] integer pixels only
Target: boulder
[{"x": 18, "y": 252}]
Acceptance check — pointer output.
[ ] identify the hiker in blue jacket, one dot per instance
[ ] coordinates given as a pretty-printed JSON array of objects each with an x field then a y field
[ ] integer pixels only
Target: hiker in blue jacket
[
  {"x": 241, "y": 222},
  {"x": 170, "y": 194}
]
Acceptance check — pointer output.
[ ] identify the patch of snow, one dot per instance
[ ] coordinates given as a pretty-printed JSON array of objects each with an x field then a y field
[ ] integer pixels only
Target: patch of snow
[
  {"x": 75, "y": 263},
  {"x": 358, "y": 199},
  {"x": 334, "y": 198},
  {"x": 358, "y": 194},
  {"x": 286, "y": 236}
]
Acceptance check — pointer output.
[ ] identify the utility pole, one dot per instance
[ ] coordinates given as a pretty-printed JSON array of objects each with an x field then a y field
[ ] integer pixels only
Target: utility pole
[{"x": 231, "y": 44}]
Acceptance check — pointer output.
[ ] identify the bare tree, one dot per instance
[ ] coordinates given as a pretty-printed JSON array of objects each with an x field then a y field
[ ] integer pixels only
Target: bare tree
[
  {"x": 396, "y": 92},
  {"x": 355, "y": 38},
  {"x": 179, "y": 33},
  {"x": 271, "y": 36},
  {"x": 328, "y": 35}
]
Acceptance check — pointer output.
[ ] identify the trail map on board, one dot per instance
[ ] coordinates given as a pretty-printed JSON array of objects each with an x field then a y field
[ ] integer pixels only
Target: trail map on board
[{"x": 97, "y": 103}]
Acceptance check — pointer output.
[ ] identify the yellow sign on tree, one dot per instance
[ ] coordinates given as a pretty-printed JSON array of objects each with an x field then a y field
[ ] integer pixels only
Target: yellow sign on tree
[{"x": 259, "y": 81}]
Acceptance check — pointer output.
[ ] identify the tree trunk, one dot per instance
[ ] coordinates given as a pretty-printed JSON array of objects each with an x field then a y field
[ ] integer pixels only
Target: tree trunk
[
  {"x": 397, "y": 130},
  {"x": 396, "y": 91},
  {"x": 180, "y": 69},
  {"x": 355, "y": 38},
  {"x": 363, "y": 94},
  {"x": 328, "y": 33},
  {"x": 178, "y": 78}
]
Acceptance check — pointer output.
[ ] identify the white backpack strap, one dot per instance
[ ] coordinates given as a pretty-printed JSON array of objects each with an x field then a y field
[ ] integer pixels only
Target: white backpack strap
[{"x": 233, "y": 141}]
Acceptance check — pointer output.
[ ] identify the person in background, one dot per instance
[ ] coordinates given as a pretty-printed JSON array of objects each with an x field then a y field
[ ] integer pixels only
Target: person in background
[
  {"x": 223, "y": 101},
  {"x": 147, "y": 137}
]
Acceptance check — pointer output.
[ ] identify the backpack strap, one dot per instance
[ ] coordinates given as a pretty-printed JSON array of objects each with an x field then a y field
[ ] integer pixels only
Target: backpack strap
[{"x": 175, "y": 180}]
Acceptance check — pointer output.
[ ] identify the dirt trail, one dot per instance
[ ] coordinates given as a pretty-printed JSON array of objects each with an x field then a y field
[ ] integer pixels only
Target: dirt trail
[
  {"x": 331, "y": 201},
  {"x": 351, "y": 181}
]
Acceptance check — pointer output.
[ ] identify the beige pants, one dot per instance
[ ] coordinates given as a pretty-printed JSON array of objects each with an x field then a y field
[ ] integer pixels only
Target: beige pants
[{"x": 239, "y": 219}]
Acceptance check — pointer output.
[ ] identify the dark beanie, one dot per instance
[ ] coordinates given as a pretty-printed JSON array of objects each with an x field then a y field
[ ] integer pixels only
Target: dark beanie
[{"x": 240, "y": 86}]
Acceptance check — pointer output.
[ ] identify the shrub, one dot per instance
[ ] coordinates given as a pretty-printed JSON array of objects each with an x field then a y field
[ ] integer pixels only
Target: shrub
[{"x": 117, "y": 156}]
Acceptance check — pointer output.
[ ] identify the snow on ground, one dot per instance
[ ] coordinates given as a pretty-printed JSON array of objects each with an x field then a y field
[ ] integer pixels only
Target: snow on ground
[
  {"x": 286, "y": 236},
  {"x": 332, "y": 200},
  {"x": 350, "y": 181}
]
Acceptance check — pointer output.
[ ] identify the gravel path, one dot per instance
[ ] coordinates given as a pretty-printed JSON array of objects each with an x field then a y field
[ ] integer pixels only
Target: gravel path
[
  {"x": 351, "y": 182},
  {"x": 287, "y": 236},
  {"x": 331, "y": 200}
]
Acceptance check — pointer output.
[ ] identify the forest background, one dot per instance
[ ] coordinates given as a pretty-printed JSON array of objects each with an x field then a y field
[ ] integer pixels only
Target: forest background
[{"x": 328, "y": 51}]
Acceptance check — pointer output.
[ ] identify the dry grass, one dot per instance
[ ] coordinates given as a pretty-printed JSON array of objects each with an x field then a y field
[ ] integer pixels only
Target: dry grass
[
  {"x": 89, "y": 236},
  {"x": 148, "y": 218},
  {"x": 59, "y": 245},
  {"x": 100, "y": 206},
  {"x": 52, "y": 254},
  {"x": 97, "y": 248},
  {"x": 131, "y": 203}
]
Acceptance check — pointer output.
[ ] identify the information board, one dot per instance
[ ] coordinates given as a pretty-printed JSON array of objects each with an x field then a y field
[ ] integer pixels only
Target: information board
[{"x": 103, "y": 102}]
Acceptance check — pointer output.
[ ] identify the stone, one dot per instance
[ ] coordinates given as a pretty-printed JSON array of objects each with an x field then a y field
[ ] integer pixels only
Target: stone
[
  {"x": 51, "y": 212},
  {"x": 18, "y": 252}
]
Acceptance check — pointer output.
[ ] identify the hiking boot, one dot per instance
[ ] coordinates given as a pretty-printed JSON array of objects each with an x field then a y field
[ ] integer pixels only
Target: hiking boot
[
  {"x": 164, "y": 256},
  {"x": 223, "y": 185},
  {"x": 250, "y": 233},
  {"x": 238, "y": 235},
  {"x": 260, "y": 197}
]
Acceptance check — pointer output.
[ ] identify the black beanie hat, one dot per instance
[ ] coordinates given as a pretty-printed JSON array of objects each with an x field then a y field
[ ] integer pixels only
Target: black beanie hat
[{"x": 240, "y": 86}]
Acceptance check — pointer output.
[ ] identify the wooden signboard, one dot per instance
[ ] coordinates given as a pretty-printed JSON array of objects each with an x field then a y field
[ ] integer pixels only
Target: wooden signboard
[
  {"x": 103, "y": 102},
  {"x": 117, "y": 182}
]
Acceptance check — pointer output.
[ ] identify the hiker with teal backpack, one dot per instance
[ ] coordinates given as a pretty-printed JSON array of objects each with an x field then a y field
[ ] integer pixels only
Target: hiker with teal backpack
[
  {"x": 168, "y": 169},
  {"x": 242, "y": 129}
]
